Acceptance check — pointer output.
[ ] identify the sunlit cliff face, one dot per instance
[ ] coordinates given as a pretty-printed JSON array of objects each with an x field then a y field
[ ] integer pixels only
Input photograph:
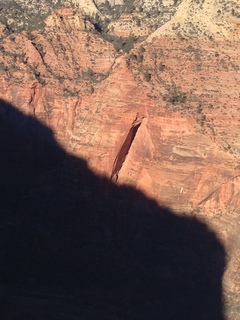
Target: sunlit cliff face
[{"x": 146, "y": 99}]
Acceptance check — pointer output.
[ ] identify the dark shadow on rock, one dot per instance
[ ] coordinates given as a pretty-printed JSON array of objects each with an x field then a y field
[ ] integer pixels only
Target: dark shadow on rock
[{"x": 76, "y": 246}]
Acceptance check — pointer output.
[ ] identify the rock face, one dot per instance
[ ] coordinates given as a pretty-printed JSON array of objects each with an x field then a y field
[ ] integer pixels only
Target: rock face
[
  {"x": 18, "y": 15},
  {"x": 203, "y": 19},
  {"x": 88, "y": 6},
  {"x": 162, "y": 119},
  {"x": 75, "y": 238},
  {"x": 111, "y": 2}
]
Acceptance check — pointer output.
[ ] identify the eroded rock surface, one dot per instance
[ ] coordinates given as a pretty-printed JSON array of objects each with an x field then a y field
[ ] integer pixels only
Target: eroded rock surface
[{"x": 163, "y": 118}]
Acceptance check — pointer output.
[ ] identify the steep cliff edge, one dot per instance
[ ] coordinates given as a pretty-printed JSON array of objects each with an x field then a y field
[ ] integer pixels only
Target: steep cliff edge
[{"x": 162, "y": 118}]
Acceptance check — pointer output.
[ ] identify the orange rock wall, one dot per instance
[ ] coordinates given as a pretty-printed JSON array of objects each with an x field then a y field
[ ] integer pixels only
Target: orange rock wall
[{"x": 185, "y": 154}]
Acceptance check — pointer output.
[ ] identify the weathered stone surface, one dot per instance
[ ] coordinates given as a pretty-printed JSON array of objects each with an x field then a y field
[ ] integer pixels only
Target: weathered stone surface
[
  {"x": 47, "y": 74},
  {"x": 203, "y": 18},
  {"x": 163, "y": 119}
]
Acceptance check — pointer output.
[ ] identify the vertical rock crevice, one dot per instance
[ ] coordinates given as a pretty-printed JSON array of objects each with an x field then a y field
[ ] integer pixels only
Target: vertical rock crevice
[{"x": 125, "y": 148}]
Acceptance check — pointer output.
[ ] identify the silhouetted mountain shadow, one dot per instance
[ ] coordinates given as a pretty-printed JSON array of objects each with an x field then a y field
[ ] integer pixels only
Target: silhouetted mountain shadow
[{"x": 76, "y": 246}]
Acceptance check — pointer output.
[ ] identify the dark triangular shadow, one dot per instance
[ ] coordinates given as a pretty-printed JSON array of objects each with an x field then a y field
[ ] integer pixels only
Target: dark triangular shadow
[{"x": 76, "y": 246}]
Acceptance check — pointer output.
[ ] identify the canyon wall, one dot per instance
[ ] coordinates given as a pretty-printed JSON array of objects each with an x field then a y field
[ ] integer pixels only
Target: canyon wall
[{"x": 162, "y": 118}]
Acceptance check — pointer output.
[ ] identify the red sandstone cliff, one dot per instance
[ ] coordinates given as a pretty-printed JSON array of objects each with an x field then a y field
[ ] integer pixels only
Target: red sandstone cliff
[{"x": 163, "y": 118}]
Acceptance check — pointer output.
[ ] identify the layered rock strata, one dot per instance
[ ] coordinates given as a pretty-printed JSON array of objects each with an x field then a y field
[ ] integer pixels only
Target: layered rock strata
[{"x": 162, "y": 119}]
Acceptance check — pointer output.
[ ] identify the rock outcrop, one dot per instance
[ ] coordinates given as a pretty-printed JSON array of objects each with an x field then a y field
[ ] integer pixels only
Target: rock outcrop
[
  {"x": 204, "y": 19},
  {"x": 162, "y": 118}
]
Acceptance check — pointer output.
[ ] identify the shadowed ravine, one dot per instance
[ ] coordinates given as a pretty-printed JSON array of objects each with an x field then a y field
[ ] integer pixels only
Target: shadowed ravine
[
  {"x": 124, "y": 150},
  {"x": 71, "y": 251}
]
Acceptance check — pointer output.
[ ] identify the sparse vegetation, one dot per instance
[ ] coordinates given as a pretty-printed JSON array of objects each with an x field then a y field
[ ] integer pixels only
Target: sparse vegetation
[
  {"x": 175, "y": 96},
  {"x": 124, "y": 44},
  {"x": 19, "y": 15},
  {"x": 147, "y": 75}
]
